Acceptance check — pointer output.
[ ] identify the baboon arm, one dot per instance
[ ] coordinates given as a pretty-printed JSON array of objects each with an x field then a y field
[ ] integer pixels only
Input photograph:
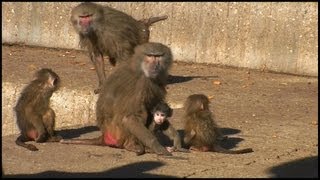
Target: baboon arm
[
  {"x": 173, "y": 134},
  {"x": 138, "y": 129},
  {"x": 189, "y": 136}
]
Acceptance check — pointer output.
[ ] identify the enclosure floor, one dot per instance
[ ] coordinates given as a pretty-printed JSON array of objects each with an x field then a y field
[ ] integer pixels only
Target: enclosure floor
[{"x": 275, "y": 114}]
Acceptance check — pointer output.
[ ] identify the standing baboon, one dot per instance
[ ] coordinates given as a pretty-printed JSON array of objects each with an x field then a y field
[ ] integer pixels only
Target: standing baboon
[
  {"x": 127, "y": 99},
  {"x": 201, "y": 131},
  {"x": 35, "y": 118},
  {"x": 106, "y": 31}
]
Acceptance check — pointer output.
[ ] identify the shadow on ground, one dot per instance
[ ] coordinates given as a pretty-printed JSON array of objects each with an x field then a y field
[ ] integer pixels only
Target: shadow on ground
[
  {"x": 301, "y": 168},
  {"x": 77, "y": 132},
  {"x": 172, "y": 79},
  {"x": 133, "y": 170},
  {"x": 228, "y": 143},
  {"x": 229, "y": 131}
]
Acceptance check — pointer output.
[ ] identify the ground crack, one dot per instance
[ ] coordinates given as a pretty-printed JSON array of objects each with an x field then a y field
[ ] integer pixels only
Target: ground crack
[{"x": 194, "y": 173}]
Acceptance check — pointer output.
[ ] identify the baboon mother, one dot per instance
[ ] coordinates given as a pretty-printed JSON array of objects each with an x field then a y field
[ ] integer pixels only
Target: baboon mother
[
  {"x": 127, "y": 99},
  {"x": 106, "y": 31}
]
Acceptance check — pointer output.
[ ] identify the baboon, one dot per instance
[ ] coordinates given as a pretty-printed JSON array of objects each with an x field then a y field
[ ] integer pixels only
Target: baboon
[
  {"x": 35, "y": 118},
  {"x": 160, "y": 123},
  {"x": 127, "y": 98},
  {"x": 106, "y": 31},
  {"x": 201, "y": 131}
]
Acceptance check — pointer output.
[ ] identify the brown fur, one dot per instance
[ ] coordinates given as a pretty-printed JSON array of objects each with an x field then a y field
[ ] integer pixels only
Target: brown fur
[
  {"x": 201, "y": 131},
  {"x": 106, "y": 31},
  {"x": 128, "y": 97},
  {"x": 35, "y": 118}
]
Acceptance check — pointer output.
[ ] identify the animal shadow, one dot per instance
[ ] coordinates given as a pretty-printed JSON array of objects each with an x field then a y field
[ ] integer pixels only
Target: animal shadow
[
  {"x": 302, "y": 168},
  {"x": 230, "y": 142},
  {"x": 133, "y": 170},
  {"x": 73, "y": 133},
  {"x": 229, "y": 131},
  {"x": 172, "y": 79}
]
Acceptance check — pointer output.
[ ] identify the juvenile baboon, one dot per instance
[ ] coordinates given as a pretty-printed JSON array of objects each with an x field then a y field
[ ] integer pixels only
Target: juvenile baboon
[
  {"x": 201, "y": 131},
  {"x": 35, "y": 118},
  {"x": 127, "y": 98},
  {"x": 106, "y": 31},
  {"x": 160, "y": 123}
]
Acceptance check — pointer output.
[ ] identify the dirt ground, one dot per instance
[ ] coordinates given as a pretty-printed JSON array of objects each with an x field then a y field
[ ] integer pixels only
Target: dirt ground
[{"x": 275, "y": 114}]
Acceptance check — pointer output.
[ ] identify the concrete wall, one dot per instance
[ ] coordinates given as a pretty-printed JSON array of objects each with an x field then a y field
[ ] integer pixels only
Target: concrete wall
[{"x": 278, "y": 36}]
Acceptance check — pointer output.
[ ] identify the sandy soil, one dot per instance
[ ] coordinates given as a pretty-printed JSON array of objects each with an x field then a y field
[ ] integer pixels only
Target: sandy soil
[{"x": 275, "y": 114}]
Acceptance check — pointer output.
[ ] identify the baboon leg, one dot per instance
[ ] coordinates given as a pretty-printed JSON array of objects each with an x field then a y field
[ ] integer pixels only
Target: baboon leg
[
  {"x": 189, "y": 136},
  {"x": 40, "y": 128},
  {"x": 98, "y": 63},
  {"x": 49, "y": 122},
  {"x": 138, "y": 129},
  {"x": 132, "y": 144},
  {"x": 20, "y": 141}
]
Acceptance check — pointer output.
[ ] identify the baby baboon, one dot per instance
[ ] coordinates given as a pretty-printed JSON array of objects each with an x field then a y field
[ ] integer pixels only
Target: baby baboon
[
  {"x": 106, "y": 31},
  {"x": 201, "y": 131},
  {"x": 161, "y": 113},
  {"x": 35, "y": 118}
]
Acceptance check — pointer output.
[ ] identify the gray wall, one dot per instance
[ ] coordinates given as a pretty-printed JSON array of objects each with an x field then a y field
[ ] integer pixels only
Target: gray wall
[{"x": 278, "y": 36}]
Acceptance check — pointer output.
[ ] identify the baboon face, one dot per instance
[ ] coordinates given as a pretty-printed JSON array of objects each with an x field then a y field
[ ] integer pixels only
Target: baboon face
[
  {"x": 159, "y": 117},
  {"x": 155, "y": 59},
  {"x": 85, "y": 16}
]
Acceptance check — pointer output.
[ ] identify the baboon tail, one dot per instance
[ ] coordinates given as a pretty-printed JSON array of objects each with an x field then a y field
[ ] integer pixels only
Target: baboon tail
[
  {"x": 95, "y": 141},
  {"x": 20, "y": 141},
  {"x": 220, "y": 149},
  {"x": 156, "y": 19}
]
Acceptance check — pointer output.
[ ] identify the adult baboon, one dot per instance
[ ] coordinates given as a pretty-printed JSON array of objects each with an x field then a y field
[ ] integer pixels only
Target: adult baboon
[
  {"x": 106, "y": 31},
  {"x": 125, "y": 104}
]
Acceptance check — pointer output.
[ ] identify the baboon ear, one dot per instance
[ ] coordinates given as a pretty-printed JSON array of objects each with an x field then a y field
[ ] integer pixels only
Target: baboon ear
[
  {"x": 170, "y": 112},
  {"x": 52, "y": 81},
  {"x": 201, "y": 106},
  {"x": 193, "y": 132}
]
